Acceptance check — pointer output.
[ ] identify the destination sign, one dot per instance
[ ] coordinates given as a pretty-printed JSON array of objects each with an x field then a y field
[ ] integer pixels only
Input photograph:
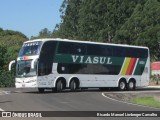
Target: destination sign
[{"x": 31, "y": 44}]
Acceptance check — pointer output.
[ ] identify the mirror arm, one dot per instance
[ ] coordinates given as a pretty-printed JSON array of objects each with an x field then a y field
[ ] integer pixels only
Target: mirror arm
[
  {"x": 10, "y": 64},
  {"x": 32, "y": 63}
]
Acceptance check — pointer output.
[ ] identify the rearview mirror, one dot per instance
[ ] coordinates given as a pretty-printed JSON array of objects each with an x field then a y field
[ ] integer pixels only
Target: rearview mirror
[
  {"x": 32, "y": 63},
  {"x": 10, "y": 64}
]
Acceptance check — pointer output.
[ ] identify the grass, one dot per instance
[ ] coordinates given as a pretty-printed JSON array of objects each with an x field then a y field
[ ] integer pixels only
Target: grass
[{"x": 147, "y": 101}]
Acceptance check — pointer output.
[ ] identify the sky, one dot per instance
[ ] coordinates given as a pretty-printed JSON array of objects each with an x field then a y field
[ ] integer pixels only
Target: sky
[{"x": 29, "y": 16}]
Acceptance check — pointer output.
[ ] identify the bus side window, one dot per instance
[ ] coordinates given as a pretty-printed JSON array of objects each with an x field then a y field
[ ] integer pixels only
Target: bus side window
[
  {"x": 41, "y": 69},
  {"x": 101, "y": 50},
  {"x": 62, "y": 68},
  {"x": 79, "y": 48},
  {"x": 108, "y": 51},
  {"x": 118, "y": 51},
  {"x": 93, "y": 49},
  {"x": 71, "y": 48},
  {"x": 46, "y": 58}
]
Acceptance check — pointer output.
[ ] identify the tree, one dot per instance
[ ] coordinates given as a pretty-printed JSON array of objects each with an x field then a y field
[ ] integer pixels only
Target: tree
[
  {"x": 10, "y": 43},
  {"x": 44, "y": 33},
  {"x": 95, "y": 20},
  {"x": 142, "y": 28},
  {"x": 69, "y": 26}
]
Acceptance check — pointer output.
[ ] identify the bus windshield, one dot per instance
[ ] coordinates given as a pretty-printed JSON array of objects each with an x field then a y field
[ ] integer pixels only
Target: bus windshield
[
  {"x": 31, "y": 48},
  {"x": 23, "y": 69}
]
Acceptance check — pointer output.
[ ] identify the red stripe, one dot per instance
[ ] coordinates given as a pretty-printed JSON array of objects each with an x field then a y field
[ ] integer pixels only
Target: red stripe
[
  {"x": 25, "y": 57},
  {"x": 131, "y": 66}
]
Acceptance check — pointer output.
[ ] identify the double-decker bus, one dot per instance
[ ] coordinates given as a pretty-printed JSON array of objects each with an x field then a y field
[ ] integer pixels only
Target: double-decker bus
[{"x": 60, "y": 64}]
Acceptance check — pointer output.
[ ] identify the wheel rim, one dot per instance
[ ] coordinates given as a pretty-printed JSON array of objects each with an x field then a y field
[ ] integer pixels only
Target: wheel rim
[
  {"x": 74, "y": 85},
  {"x": 122, "y": 85},
  {"x": 131, "y": 85}
]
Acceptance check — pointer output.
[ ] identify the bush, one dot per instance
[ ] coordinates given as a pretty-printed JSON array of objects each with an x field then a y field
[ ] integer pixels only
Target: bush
[{"x": 7, "y": 79}]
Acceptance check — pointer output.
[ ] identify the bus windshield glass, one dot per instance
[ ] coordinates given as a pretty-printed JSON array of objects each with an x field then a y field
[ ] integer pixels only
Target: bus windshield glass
[
  {"x": 23, "y": 69},
  {"x": 30, "y": 48}
]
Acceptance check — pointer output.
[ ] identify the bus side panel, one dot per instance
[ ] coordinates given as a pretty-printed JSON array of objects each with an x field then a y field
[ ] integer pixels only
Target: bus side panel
[
  {"x": 104, "y": 80},
  {"x": 49, "y": 81},
  {"x": 46, "y": 81},
  {"x": 146, "y": 74}
]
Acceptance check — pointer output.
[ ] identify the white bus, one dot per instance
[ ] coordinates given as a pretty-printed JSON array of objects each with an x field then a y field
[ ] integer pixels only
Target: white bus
[{"x": 60, "y": 64}]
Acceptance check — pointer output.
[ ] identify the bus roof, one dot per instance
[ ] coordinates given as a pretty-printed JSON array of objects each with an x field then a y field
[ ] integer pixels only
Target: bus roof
[{"x": 89, "y": 42}]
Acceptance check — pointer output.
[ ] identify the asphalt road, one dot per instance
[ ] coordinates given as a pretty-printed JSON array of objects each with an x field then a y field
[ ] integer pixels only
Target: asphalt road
[{"x": 89, "y": 100}]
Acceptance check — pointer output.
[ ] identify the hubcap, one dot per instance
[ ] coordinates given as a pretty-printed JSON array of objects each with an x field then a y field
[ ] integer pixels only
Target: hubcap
[
  {"x": 122, "y": 85},
  {"x": 74, "y": 85},
  {"x": 131, "y": 84}
]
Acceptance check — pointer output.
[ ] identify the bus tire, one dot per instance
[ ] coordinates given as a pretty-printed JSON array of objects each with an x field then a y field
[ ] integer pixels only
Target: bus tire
[
  {"x": 122, "y": 85},
  {"x": 41, "y": 90},
  {"x": 131, "y": 85},
  {"x": 73, "y": 86},
  {"x": 59, "y": 86}
]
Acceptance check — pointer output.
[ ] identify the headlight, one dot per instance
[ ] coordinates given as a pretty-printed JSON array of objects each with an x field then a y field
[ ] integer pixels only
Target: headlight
[
  {"x": 30, "y": 81},
  {"x": 18, "y": 82}
]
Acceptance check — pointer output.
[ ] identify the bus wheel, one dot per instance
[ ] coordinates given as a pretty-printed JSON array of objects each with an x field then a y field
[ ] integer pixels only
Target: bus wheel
[
  {"x": 122, "y": 85},
  {"x": 41, "y": 90},
  {"x": 131, "y": 85},
  {"x": 73, "y": 86},
  {"x": 59, "y": 86}
]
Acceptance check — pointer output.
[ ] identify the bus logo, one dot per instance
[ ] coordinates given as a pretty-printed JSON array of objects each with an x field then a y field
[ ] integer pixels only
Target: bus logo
[{"x": 91, "y": 60}]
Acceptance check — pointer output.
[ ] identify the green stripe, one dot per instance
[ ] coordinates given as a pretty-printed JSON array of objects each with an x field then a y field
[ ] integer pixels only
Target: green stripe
[
  {"x": 67, "y": 58},
  {"x": 140, "y": 66},
  {"x": 83, "y": 59}
]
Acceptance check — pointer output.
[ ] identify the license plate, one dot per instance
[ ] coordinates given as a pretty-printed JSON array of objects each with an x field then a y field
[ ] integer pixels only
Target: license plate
[{"x": 23, "y": 85}]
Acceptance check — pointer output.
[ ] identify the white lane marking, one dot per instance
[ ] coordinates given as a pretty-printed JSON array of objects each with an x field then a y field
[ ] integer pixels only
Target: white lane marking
[
  {"x": 1, "y": 109},
  {"x": 6, "y": 92},
  {"x": 135, "y": 92},
  {"x": 152, "y": 87},
  {"x": 127, "y": 102},
  {"x": 17, "y": 91}
]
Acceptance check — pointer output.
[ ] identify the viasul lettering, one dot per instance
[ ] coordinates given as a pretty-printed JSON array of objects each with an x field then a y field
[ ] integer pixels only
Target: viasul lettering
[{"x": 91, "y": 59}]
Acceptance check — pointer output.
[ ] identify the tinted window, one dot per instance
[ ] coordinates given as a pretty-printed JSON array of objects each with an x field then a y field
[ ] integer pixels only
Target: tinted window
[
  {"x": 65, "y": 68},
  {"x": 136, "y": 52},
  {"x": 100, "y": 50},
  {"x": 143, "y": 53},
  {"x": 118, "y": 51},
  {"x": 31, "y": 48},
  {"x": 71, "y": 48},
  {"x": 48, "y": 51},
  {"x": 130, "y": 52},
  {"x": 46, "y": 58}
]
